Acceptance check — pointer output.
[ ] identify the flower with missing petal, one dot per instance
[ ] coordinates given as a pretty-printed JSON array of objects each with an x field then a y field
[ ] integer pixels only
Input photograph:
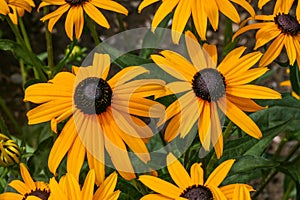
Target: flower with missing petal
[
  {"x": 68, "y": 188},
  {"x": 194, "y": 186},
  {"x": 200, "y": 10},
  {"x": 28, "y": 190},
  {"x": 102, "y": 113},
  {"x": 76, "y": 10},
  {"x": 205, "y": 87},
  {"x": 281, "y": 29}
]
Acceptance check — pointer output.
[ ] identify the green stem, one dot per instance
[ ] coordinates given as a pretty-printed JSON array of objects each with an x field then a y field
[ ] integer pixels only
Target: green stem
[
  {"x": 288, "y": 191},
  {"x": 214, "y": 158},
  {"x": 92, "y": 27},
  {"x": 49, "y": 44},
  {"x": 264, "y": 182},
  {"x": 3, "y": 127},
  {"x": 10, "y": 116},
  {"x": 120, "y": 21},
  {"x": 35, "y": 61},
  {"x": 279, "y": 149},
  {"x": 24, "y": 33}
]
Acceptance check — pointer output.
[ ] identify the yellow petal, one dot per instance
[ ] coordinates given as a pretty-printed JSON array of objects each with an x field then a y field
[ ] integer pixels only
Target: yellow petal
[
  {"x": 62, "y": 145},
  {"x": 253, "y": 92},
  {"x": 247, "y": 28},
  {"x": 145, "y": 3},
  {"x": 211, "y": 54},
  {"x": 200, "y": 19},
  {"x": 291, "y": 49},
  {"x": 75, "y": 159},
  {"x": 244, "y": 104},
  {"x": 228, "y": 10},
  {"x": 212, "y": 12},
  {"x": 26, "y": 177},
  {"x": 57, "y": 192},
  {"x": 216, "y": 130},
  {"x": 178, "y": 172},
  {"x": 273, "y": 51},
  {"x": 266, "y": 34},
  {"x": 110, "y": 5},
  {"x": 95, "y": 14},
  {"x": 88, "y": 186},
  {"x": 11, "y": 196},
  {"x": 219, "y": 174},
  {"x": 21, "y": 187},
  {"x": 164, "y": 9},
  {"x": 246, "y": 77},
  {"x": 72, "y": 186},
  {"x": 181, "y": 16},
  {"x": 197, "y": 174},
  {"x": 204, "y": 125},
  {"x": 79, "y": 21},
  {"x": 107, "y": 187},
  {"x": 155, "y": 197},
  {"x": 160, "y": 186},
  {"x": 238, "y": 117},
  {"x": 98, "y": 167},
  {"x": 195, "y": 51},
  {"x": 246, "y": 6}
]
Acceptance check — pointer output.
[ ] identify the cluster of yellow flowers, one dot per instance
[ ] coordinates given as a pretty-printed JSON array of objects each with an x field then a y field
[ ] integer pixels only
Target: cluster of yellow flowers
[{"x": 103, "y": 112}]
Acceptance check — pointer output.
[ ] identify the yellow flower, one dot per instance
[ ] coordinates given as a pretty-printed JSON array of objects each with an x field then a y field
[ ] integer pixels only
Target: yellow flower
[
  {"x": 206, "y": 87},
  {"x": 15, "y": 9},
  {"x": 9, "y": 151},
  {"x": 194, "y": 186},
  {"x": 76, "y": 10},
  {"x": 102, "y": 114},
  {"x": 19, "y": 11},
  {"x": 28, "y": 190},
  {"x": 68, "y": 188},
  {"x": 282, "y": 28},
  {"x": 200, "y": 10},
  {"x": 281, "y": 4}
]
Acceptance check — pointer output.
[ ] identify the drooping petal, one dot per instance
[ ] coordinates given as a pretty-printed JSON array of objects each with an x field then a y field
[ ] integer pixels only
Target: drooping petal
[
  {"x": 240, "y": 118},
  {"x": 110, "y": 5},
  {"x": 95, "y": 15},
  {"x": 146, "y": 3}
]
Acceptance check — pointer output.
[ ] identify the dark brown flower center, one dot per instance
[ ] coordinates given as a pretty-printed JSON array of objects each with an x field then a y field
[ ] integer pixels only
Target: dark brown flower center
[
  {"x": 197, "y": 193},
  {"x": 75, "y": 2},
  {"x": 209, "y": 84},
  {"x": 287, "y": 24},
  {"x": 42, "y": 194},
  {"x": 93, "y": 95}
]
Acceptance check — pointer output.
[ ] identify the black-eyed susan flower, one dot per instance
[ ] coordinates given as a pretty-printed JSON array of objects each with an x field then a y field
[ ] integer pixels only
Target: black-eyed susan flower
[
  {"x": 201, "y": 11},
  {"x": 27, "y": 190},
  {"x": 206, "y": 87},
  {"x": 68, "y": 188},
  {"x": 18, "y": 10},
  {"x": 102, "y": 115},
  {"x": 9, "y": 151},
  {"x": 76, "y": 10},
  {"x": 14, "y": 8},
  {"x": 194, "y": 186},
  {"x": 282, "y": 29},
  {"x": 280, "y": 4}
]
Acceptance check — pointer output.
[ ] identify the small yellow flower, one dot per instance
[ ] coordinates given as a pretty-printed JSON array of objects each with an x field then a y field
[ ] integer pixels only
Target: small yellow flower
[
  {"x": 194, "y": 186},
  {"x": 282, "y": 29},
  {"x": 76, "y": 10},
  {"x": 9, "y": 151},
  {"x": 28, "y": 190},
  {"x": 68, "y": 188},
  {"x": 200, "y": 10},
  {"x": 15, "y": 9}
]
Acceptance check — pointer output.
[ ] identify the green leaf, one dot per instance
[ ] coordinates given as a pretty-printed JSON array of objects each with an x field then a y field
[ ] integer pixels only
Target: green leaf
[
  {"x": 16, "y": 49},
  {"x": 246, "y": 167},
  {"x": 295, "y": 78}
]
